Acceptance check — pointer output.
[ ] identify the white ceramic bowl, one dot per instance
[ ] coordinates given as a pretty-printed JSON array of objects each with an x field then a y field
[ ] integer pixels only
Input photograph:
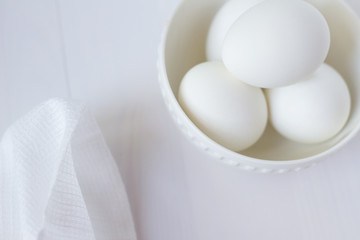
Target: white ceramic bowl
[{"x": 183, "y": 46}]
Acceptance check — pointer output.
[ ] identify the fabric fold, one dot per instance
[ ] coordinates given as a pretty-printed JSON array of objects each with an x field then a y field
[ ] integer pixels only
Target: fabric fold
[{"x": 58, "y": 179}]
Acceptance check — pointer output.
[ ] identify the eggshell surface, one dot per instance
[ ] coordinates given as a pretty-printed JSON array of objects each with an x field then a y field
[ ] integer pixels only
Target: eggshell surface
[
  {"x": 222, "y": 22},
  {"x": 276, "y": 43},
  {"x": 313, "y": 110},
  {"x": 228, "y": 111}
]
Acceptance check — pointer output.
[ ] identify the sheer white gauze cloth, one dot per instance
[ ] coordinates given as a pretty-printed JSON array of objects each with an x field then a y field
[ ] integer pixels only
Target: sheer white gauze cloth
[{"x": 58, "y": 179}]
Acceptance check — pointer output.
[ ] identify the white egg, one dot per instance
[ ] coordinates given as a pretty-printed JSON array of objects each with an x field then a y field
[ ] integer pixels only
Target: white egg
[
  {"x": 222, "y": 22},
  {"x": 312, "y": 110},
  {"x": 228, "y": 111},
  {"x": 276, "y": 43}
]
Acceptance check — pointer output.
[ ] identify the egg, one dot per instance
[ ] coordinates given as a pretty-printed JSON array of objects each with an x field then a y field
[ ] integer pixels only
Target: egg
[
  {"x": 222, "y": 22},
  {"x": 276, "y": 43},
  {"x": 228, "y": 111},
  {"x": 312, "y": 110}
]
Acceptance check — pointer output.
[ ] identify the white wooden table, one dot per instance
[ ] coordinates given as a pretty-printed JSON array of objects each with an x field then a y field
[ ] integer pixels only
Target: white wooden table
[{"x": 103, "y": 52}]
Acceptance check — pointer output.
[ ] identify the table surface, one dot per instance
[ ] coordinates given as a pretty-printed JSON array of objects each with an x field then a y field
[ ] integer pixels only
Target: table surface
[{"x": 103, "y": 52}]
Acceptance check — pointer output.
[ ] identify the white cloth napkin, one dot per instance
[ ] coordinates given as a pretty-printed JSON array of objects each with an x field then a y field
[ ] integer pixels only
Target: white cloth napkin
[{"x": 58, "y": 179}]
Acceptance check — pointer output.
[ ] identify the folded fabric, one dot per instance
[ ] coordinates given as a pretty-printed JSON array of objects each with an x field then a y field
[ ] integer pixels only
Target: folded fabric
[{"x": 58, "y": 179}]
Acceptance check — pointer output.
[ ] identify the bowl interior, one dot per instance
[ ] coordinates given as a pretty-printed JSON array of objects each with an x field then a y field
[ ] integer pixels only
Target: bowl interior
[{"x": 185, "y": 47}]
